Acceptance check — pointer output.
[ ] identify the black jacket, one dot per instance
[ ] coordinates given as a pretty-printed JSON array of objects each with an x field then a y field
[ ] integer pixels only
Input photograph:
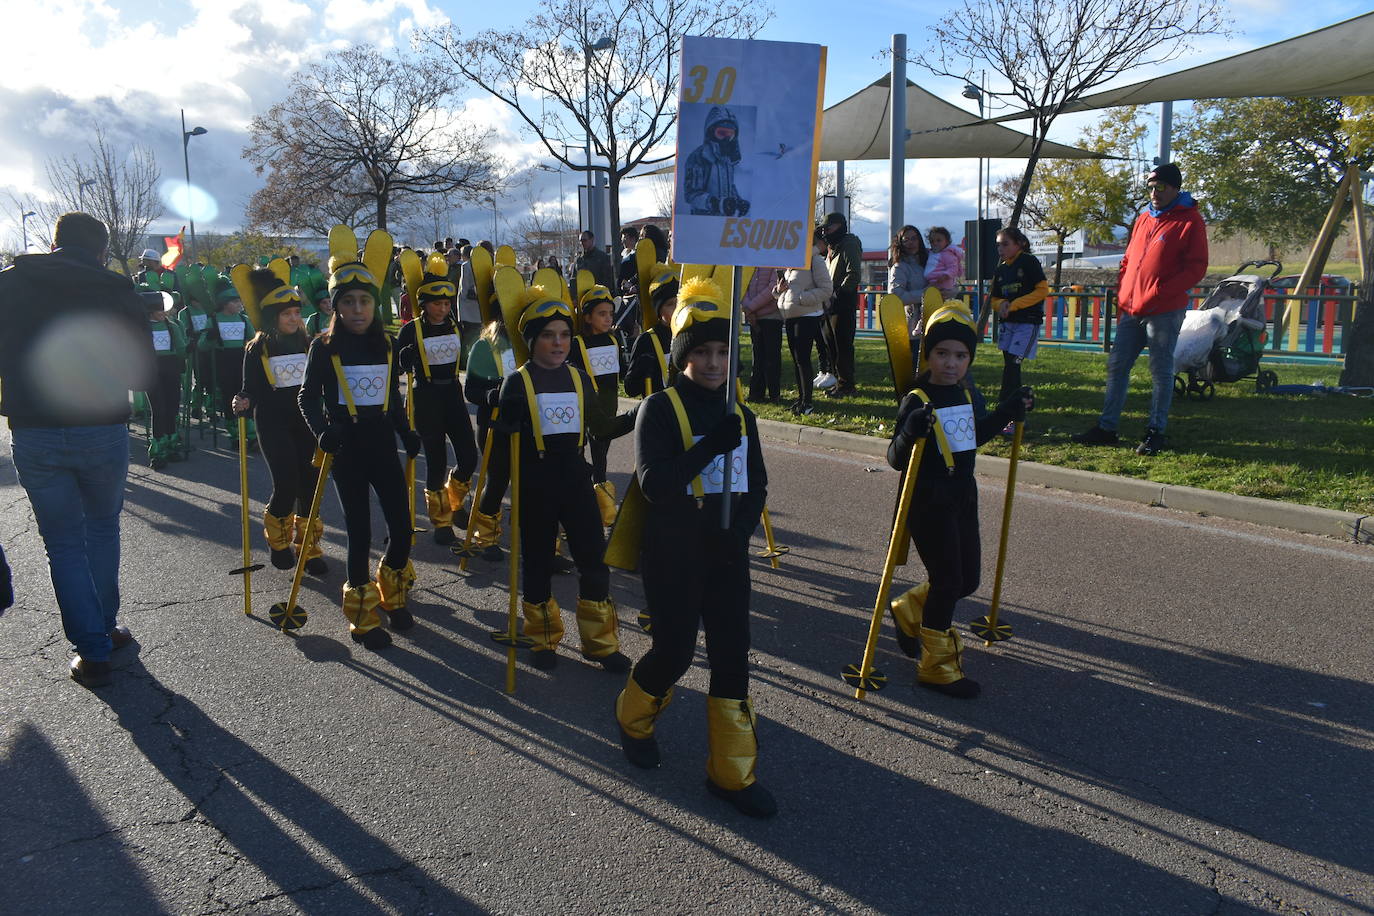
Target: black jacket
[{"x": 74, "y": 342}]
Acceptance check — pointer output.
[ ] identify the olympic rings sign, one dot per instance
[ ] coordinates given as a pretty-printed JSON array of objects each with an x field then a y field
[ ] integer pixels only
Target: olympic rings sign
[{"x": 560, "y": 416}]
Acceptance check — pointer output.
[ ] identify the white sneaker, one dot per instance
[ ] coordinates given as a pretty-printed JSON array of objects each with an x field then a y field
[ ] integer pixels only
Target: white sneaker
[{"x": 825, "y": 381}]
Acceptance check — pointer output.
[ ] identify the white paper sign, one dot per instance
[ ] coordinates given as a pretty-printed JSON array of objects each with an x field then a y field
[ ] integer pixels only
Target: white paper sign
[
  {"x": 713, "y": 475},
  {"x": 199, "y": 321},
  {"x": 747, "y": 146},
  {"x": 558, "y": 414},
  {"x": 366, "y": 383},
  {"x": 443, "y": 350},
  {"x": 603, "y": 360},
  {"x": 959, "y": 428},
  {"x": 230, "y": 331},
  {"x": 507, "y": 362},
  {"x": 289, "y": 371},
  {"x": 162, "y": 341}
]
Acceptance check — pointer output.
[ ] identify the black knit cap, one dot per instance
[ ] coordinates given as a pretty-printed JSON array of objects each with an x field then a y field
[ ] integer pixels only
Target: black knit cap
[
  {"x": 1167, "y": 173},
  {"x": 950, "y": 323}
]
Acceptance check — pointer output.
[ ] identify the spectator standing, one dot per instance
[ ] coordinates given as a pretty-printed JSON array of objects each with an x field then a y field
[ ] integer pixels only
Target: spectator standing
[
  {"x": 1165, "y": 258},
  {"x": 844, "y": 259},
  {"x": 802, "y": 294},
  {"x": 594, "y": 260},
  {"x": 760, "y": 307},
  {"x": 468, "y": 309},
  {"x": 73, "y": 342},
  {"x": 906, "y": 279},
  {"x": 1019, "y": 290}
]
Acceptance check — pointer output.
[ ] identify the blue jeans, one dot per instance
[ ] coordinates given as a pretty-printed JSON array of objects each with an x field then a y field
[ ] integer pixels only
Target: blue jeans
[
  {"x": 75, "y": 480},
  {"x": 1133, "y": 334}
]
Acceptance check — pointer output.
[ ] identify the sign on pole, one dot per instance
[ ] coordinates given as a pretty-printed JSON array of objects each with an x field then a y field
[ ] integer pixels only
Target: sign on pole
[
  {"x": 748, "y": 142},
  {"x": 1043, "y": 241}
]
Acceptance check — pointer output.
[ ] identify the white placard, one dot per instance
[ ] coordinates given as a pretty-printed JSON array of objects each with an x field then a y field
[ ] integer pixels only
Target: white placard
[
  {"x": 230, "y": 331},
  {"x": 288, "y": 371},
  {"x": 959, "y": 427},
  {"x": 162, "y": 341},
  {"x": 366, "y": 383},
  {"x": 442, "y": 350},
  {"x": 559, "y": 414},
  {"x": 507, "y": 361},
  {"x": 1043, "y": 241},
  {"x": 747, "y": 145},
  {"x": 198, "y": 321},
  {"x": 603, "y": 360},
  {"x": 713, "y": 475}
]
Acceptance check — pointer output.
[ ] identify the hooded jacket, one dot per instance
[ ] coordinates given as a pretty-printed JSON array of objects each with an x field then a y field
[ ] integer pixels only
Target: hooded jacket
[
  {"x": 1166, "y": 257},
  {"x": 710, "y": 178},
  {"x": 74, "y": 342}
]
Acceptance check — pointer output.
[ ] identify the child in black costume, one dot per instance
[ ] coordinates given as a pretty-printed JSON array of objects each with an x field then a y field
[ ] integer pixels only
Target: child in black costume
[
  {"x": 351, "y": 399},
  {"x": 440, "y": 412},
  {"x": 599, "y": 353},
  {"x": 649, "y": 364},
  {"x": 164, "y": 397},
  {"x": 943, "y": 520},
  {"x": 695, "y": 574},
  {"x": 553, "y": 407},
  {"x": 273, "y": 369},
  {"x": 226, "y": 334}
]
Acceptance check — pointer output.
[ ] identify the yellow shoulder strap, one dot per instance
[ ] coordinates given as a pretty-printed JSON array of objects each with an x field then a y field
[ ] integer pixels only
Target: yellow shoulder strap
[
  {"x": 587, "y": 362},
  {"x": 267, "y": 365},
  {"x": 940, "y": 438},
  {"x": 420, "y": 345},
  {"x": 532, "y": 404},
  {"x": 685, "y": 427}
]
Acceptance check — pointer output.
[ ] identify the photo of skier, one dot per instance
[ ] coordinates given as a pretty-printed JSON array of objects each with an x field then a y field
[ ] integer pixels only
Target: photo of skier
[{"x": 709, "y": 179}]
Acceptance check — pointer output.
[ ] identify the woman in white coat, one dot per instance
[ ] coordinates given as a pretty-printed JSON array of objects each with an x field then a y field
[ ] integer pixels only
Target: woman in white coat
[{"x": 802, "y": 294}]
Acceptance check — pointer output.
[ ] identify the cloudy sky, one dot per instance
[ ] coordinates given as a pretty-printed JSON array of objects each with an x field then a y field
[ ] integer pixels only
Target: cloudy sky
[{"x": 130, "y": 67}]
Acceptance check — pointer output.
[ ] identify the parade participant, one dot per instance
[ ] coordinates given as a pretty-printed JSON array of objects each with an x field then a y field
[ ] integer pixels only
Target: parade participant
[
  {"x": 194, "y": 319},
  {"x": 599, "y": 353},
  {"x": 318, "y": 321},
  {"x": 696, "y": 575},
  {"x": 351, "y": 399},
  {"x": 649, "y": 364},
  {"x": 225, "y": 335},
  {"x": 273, "y": 368},
  {"x": 1019, "y": 290},
  {"x": 549, "y": 403},
  {"x": 429, "y": 348},
  {"x": 943, "y": 520},
  {"x": 489, "y": 362},
  {"x": 164, "y": 396}
]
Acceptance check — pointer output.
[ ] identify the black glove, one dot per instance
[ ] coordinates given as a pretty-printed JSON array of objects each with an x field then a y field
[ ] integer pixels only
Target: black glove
[
  {"x": 917, "y": 424},
  {"x": 730, "y": 206},
  {"x": 713, "y": 204},
  {"x": 6, "y": 584},
  {"x": 331, "y": 440},
  {"x": 743, "y": 207},
  {"x": 412, "y": 442},
  {"x": 494, "y": 398},
  {"x": 1014, "y": 407},
  {"x": 724, "y": 437}
]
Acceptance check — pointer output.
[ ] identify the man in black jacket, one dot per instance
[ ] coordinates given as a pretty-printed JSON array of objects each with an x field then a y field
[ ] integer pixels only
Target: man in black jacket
[
  {"x": 844, "y": 261},
  {"x": 74, "y": 341}
]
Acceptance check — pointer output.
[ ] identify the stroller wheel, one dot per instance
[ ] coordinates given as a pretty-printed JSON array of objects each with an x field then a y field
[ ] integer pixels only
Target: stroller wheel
[
  {"x": 1207, "y": 391},
  {"x": 1265, "y": 380},
  {"x": 1180, "y": 386}
]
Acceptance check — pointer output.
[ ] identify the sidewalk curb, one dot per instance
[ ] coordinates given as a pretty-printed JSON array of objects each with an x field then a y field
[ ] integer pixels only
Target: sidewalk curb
[{"x": 1273, "y": 513}]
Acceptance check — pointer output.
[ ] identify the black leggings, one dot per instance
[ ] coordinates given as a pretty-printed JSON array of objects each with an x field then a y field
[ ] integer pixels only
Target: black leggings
[
  {"x": 368, "y": 459},
  {"x": 554, "y": 490},
  {"x": 946, "y": 537},
  {"x": 600, "y": 449},
  {"x": 766, "y": 376},
  {"x": 681, "y": 600},
  {"x": 288, "y": 447},
  {"x": 498, "y": 469},
  {"x": 164, "y": 396},
  {"x": 843, "y": 323},
  {"x": 441, "y": 413},
  {"x": 801, "y": 337},
  {"x": 1011, "y": 375},
  {"x": 228, "y": 379}
]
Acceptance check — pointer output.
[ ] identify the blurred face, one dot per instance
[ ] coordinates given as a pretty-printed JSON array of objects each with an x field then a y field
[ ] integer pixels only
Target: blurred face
[
  {"x": 708, "y": 364},
  {"x": 289, "y": 320},
  {"x": 232, "y": 307},
  {"x": 588, "y": 242},
  {"x": 551, "y": 347},
  {"x": 326, "y": 305},
  {"x": 911, "y": 242},
  {"x": 1007, "y": 248},
  {"x": 948, "y": 362},
  {"x": 600, "y": 318},
  {"x": 355, "y": 311},
  {"x": 938, "y": 241},
  {"x": 437, "y": 310},
  {"x": 1161, "y": 195},
  {"x": 665, "y": 311}
]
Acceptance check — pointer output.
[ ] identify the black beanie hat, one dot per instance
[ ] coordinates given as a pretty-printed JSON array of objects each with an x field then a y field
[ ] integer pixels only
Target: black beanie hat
[
  {"x": 691, "y": 328},
  {"x": 1167, "y": 173},
  {"x": 950, "y": 323}
]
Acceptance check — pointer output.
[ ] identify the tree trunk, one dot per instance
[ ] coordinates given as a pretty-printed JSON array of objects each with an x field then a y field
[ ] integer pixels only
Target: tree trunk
[
  {"x": 613, "y": 194},
  {"x": 381, "y": 210},
  {"x": 1059, "y": 263},
  {"x": 1014, "y": 221},
  {"x": 1359, "y": 343}
]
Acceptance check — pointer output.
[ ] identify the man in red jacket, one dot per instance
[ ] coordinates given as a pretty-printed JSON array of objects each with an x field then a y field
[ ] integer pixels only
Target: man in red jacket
[{"x": 1165, "y": 258}]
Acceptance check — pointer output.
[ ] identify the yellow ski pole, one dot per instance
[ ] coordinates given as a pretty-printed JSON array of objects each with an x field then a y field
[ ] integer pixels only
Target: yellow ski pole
[
  {"x": 287, "y": 615},
  {"x": 248, "y": 567},
  {"x": 863, "y": 677},
  {"x": 510, "y": 637},
  {"x": 410, "y": 462},
  {"x": 774, "y": 550},
  {"x": 466, "y": 550},
  {"x": 987, "y": 628}
]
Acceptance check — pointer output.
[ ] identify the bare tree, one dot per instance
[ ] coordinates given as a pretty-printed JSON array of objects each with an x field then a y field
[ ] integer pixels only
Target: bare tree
[
  {"x": 290, "y": 203},
  {"x": 551, "y": 74},
  {"x": 663, "y": 188},
  {"x": 855, "y": 188},
  {"x": 1051, "y": 53},
  {"x": 117, "y": 187},
  {"x": 374, "y": 127}
]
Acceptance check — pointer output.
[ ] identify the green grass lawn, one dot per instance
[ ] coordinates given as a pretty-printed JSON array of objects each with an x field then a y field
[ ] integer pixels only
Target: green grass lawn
[{"x": 1317, "y": 450}]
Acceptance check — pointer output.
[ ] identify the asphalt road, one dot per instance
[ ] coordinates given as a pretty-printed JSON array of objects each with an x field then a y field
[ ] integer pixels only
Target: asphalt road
[{"x": 1183, "y": 723}]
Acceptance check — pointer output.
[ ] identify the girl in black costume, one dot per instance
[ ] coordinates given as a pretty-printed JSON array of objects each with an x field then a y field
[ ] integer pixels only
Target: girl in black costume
[
  {"x": 489, "y": 362},
  {"x": 599, "y": 353},
  {"x": 695, "y": 574},
  {"x": 649, "y": 363}
]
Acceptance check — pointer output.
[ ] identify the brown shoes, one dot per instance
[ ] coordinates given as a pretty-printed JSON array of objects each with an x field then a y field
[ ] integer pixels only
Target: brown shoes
[{"x": 90, "y": 674}]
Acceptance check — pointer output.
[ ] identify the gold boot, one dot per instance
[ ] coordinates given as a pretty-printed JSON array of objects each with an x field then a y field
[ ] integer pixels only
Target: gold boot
[
  {"x": 394, "y": 585},
  {"x": 605, "y": 501},
  {"x": 457, "y": 495},
  {"x": 941, "y": 667},
  {"x": 734, "y": 750},
  {"x": 278, "y": 530},
  {"x": 364, "y": 624},
  {"x": 440, "y": 516},
  {"x": 544, "y": 626},
  {"x": 906, "y": 613},
  {"x": 309, "y": 541},
  {"x": 636, "y": 711},
  {"x": 596, "y": 625},
  {"x": 486, "y": 531}
]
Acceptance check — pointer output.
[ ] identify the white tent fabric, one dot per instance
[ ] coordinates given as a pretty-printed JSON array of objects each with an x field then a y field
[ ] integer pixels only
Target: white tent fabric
[{"x": 1335, "y": 61}]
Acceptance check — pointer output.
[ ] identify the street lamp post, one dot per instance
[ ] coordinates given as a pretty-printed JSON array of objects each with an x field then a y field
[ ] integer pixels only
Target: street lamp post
[
  {"x": 24, "y": 226},
  {"x": 976, "y": 92},
  {"x": 186, "y": 136},
  {"x": 601, "y": 44},
  {"x": 492, "y": 201}
]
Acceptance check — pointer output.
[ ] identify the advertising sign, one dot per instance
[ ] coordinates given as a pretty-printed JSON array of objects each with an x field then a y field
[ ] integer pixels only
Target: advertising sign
[{"x": 748, "y": 139}]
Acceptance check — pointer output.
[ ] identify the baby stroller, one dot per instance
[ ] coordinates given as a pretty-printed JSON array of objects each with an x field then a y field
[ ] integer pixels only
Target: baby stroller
[{"x": 1222, "y": 340}]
